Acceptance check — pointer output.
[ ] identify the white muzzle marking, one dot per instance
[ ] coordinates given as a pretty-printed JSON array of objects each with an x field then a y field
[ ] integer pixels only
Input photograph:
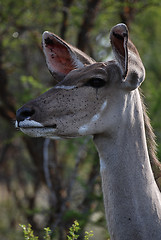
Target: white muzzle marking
[{"x": 27, "y": 124}]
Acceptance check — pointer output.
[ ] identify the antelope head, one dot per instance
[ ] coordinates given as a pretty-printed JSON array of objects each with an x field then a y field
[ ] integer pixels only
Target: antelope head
[{"x": 90, "y": 96}]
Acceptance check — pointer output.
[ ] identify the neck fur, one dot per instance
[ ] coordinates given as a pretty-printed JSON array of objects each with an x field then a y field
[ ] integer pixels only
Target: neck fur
[{"x": 131, "y": 197}]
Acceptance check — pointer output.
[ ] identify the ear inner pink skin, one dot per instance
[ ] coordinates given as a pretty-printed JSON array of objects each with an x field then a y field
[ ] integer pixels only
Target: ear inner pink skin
[
  {"x": 59, "y": 54},
  {"x": 119, "y": 40}
]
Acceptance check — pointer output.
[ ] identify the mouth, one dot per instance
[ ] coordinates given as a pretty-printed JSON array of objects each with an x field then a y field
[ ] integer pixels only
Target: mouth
[
  {"x": 32, "y": 124},
  {"x": 36, "y": 129}
]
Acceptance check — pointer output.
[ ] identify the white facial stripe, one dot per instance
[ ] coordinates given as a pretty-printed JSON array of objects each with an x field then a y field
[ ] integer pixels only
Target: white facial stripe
[
  {"x": 103, "y": 106},
  {"x": 102, "y": 165},
  {"x": 28, "y": 123},
  {"x": 65, "y": 87},
  {"x": 95, "y": 117},
  {"x": 84, "y": 129}
]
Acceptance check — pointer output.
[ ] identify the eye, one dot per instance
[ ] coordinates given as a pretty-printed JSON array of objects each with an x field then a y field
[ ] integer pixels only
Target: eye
[{"x": 95, "y": 83}]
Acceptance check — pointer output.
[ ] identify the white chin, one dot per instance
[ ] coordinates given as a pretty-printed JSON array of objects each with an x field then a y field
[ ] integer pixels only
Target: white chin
[{"x": 39, "y": 132}]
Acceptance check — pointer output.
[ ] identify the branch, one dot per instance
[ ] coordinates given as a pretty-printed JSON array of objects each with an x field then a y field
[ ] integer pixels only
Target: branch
[
  {"x": 81, "y": 153},
  {"x": 46, "y": 169},
  {"x": 6, "y": 97},
  {"x": 64, "y": 204},
  {"x": 65, "y": 12},
  {"x": 87, "y": 25}
]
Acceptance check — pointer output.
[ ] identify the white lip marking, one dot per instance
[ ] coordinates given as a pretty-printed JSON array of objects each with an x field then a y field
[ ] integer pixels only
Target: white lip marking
[
  {"x": 84, "y": 128},
  {"x": 35, "y": 129},
  {"x": 65, "y": 87},
  {"x": 28, "y": 123}
]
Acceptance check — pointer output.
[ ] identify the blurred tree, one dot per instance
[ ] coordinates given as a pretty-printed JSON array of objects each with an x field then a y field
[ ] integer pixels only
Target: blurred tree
[{"x": 50, "y": 183}]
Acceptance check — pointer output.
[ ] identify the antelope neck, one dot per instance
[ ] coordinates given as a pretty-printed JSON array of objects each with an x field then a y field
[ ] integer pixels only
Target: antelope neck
[{"x": 131, "y": 197}]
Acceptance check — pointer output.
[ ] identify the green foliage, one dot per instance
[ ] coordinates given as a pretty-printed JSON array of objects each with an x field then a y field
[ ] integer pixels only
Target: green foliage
[
  {"x": 88, "y": 235},
  {"x": 29, "y": 81},
  {"x": 47, "y": 233},
  {"x": 73, "y": 230},
  {"x": 72, "y": 235},
  {"x": 28, "y": 232}
]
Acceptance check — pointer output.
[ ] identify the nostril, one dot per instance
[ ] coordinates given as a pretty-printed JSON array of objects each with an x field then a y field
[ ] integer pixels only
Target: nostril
[
  {"x": 54, "y": 126},
  {"x": 24, "y": 113}
]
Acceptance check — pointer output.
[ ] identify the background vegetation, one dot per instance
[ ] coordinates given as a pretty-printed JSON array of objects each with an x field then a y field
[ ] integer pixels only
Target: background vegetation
[{"x": 49, "y": 183}]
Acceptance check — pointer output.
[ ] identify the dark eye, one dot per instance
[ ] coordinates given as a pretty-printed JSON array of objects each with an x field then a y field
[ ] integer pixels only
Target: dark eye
[{"x": 95, "y": 83}]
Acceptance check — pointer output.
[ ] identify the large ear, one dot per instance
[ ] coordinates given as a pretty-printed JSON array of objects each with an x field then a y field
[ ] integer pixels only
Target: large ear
[
  {"x": 61, "y": 57},
  {"x": 127, "y": 56}
]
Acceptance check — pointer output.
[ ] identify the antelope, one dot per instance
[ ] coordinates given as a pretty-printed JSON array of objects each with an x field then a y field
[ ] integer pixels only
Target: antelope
[{"x": 102, "y": 99}]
